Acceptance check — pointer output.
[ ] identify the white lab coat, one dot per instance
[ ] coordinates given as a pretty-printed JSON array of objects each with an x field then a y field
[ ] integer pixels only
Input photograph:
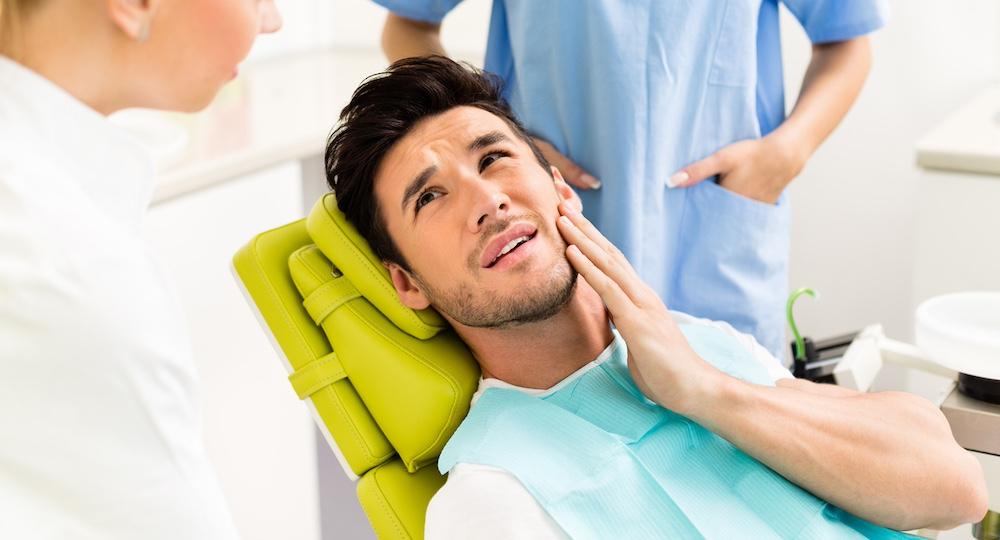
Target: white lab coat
[
  {"x": 99, "y": 418},
  {"x": 486, "y": 503}
]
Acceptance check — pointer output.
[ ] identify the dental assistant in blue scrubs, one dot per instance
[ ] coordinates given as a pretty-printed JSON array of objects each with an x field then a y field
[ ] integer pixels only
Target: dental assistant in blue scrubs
[{"x": 670, "y": 117}]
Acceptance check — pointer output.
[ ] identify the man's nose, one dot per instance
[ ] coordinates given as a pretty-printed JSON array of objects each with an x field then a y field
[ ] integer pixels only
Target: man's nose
[
  {"x": 489, "y": 203},
  {"x": 269, "y": 18}
]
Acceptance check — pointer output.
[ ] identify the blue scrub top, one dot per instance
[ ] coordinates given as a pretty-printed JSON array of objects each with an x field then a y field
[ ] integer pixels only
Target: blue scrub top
[{"x": 633, "y": 91}]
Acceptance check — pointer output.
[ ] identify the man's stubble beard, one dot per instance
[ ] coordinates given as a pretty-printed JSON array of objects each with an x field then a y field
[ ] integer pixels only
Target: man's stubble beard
[{"x": 538, "y": 302}]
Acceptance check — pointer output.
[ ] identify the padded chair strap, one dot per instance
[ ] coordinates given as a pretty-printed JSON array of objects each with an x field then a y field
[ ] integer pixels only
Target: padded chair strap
[
  {"x": 315, "y": 375},
  {"x": 328, "y": 297}
]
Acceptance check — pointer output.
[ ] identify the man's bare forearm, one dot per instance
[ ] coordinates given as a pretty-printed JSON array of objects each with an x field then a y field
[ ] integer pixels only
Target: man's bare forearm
[
  {"x": 886, "y": 457},
  {"x": 403, "y": 38}
]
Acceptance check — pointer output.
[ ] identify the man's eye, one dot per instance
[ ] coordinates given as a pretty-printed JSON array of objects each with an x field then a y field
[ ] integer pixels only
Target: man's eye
[
  {"x": 424, "y": 198},
  {"x": 488, "y": 159}
]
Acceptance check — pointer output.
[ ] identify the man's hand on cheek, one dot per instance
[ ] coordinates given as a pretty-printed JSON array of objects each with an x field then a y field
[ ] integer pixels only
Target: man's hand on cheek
[{"x": 662, "y": 363}]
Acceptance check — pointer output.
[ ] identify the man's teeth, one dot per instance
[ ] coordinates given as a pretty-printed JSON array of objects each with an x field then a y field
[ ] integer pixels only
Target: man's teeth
[{"x": 511, "y": 245}]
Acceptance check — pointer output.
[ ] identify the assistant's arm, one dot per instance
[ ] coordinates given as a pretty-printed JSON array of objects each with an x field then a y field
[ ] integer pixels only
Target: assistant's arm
[
  {"x": 403, "y": 38},
  {"x": 832, "y": 82},
  {"x": 762, "y": 168}
]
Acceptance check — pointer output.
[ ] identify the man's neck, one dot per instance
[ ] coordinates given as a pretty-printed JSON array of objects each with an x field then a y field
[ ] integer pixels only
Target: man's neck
[
  {"x": 83, "y": 63},
  {"x": 539, "y": 355}
]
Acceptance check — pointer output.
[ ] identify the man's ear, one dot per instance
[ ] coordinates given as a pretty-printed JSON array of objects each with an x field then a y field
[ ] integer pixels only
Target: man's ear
[
  {"x": 133, "y": 17},
  {"x": 407, "y": 287},
  {"x": 566, "y": 192}
]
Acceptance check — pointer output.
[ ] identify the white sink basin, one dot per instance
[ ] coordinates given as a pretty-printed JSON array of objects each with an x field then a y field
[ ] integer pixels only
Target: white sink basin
[{"x": 961, "y": 331}]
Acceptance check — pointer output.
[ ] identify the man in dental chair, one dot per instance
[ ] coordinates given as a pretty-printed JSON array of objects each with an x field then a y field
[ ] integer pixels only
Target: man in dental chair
[{"x": 602, "y": 414}]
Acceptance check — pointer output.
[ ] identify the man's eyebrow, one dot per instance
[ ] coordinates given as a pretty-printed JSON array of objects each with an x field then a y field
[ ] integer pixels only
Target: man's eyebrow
[
  {"x": 417, "y": 184},
  {"x": 420, "y": 181},
  {"x": 488, "y": 139}
]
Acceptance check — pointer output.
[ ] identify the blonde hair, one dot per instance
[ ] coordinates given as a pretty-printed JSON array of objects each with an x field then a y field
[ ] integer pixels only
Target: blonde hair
[
  {"x": 11, "y": 12},
  {"x": 7, "y": 10}
]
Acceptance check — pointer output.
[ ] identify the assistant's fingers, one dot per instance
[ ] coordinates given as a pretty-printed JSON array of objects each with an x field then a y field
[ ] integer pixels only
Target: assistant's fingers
[
  {"x": 697, "y": 171},
  {"x": 571, "y": 172}
]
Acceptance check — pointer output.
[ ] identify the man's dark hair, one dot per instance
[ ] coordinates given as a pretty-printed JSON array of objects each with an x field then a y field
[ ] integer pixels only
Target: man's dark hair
[{"x": 381, "y": 112}]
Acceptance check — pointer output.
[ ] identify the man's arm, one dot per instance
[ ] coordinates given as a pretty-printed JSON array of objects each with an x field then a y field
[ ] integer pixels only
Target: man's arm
[
  {"x": 403, "y": 38},
  {"x": 887, "y": 457}
]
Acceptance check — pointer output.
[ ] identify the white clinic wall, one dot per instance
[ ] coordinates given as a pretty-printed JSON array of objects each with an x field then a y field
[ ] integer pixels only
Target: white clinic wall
[
  {"x": 306, "y": 25},
  {"x": 856, "y": 206}
]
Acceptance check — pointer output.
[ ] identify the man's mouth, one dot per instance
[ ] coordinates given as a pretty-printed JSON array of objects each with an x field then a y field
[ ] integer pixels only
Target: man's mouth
[
  {"x": 506, "y": 243},
  {"x": 514, "y": 244}
]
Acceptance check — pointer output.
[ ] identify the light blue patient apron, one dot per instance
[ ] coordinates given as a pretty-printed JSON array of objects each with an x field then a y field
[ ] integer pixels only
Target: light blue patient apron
[{"x": 605, "y": 462}]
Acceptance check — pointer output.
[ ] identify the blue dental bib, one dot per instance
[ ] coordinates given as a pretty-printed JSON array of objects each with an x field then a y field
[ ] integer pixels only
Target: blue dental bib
[{"x": 606, "y": 462}]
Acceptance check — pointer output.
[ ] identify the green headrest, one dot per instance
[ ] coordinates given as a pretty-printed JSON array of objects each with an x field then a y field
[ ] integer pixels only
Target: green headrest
[
  {"x": 416, "y": 390},
  {"x": 262, "y": 269},
  {"x": 377, "y": 391},
  {"x": 414, "y": 375},
  {"x": 347, "y": 250}
]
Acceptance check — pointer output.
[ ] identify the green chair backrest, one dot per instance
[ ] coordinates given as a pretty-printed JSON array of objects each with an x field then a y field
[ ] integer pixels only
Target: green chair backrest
[{"x": 387, "y": 385}]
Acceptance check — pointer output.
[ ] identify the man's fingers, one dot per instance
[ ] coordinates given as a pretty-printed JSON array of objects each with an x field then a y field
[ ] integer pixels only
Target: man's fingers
[
  {"x": 616, "y": 301},
  {"x": 696, "y": 172},
  {"x": 597, "y": 254},
  {"x": 607, "y": 259},
  {"x": 572, "y": 173},
  {"x": 590, "y": 231}
]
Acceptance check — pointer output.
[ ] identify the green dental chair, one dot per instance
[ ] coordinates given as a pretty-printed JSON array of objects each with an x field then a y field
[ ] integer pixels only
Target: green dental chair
[{"x": 387, "y": 385}]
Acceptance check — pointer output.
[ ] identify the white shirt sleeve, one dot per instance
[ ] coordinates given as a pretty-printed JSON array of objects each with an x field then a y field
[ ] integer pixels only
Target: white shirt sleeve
[
  {"x": 486, "y": 503},
  {"x": 761, "y": 354}
]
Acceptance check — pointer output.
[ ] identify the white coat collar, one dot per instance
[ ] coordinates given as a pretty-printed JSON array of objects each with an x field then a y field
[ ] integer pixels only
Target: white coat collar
[{"x": 54, "y": 127}]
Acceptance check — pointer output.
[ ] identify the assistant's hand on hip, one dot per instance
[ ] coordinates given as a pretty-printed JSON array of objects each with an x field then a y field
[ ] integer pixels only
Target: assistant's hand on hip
[
  {"x": 571, "y": 172},
  {"x": 758, "y": 169},
  {"x": 662, "y": 363}
]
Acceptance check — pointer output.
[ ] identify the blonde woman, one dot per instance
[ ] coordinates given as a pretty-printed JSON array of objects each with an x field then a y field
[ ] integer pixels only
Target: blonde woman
[{"x": 99, "y": 420}]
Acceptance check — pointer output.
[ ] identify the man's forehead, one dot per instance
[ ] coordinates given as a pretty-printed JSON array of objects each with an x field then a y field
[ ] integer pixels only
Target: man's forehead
[
  {"x": 464, "y": 117},
  {"x": 450, "y": 131},
  {"x": 453, "y": 129}
]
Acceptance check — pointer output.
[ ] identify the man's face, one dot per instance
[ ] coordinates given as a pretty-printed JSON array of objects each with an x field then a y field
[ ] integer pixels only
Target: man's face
[{"x": 473, "y": 213}]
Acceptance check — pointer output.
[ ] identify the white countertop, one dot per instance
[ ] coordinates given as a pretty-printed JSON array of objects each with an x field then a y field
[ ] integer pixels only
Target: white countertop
[
  {"x": 968, "y": 140},
  {"x": 278, "y": 110}
]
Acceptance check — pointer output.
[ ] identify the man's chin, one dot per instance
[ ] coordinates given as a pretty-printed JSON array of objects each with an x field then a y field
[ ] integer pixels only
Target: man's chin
[{"x": 528, "y": 305}]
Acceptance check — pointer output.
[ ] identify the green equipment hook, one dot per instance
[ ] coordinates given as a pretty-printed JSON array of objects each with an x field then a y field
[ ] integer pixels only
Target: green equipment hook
[{"x": 800, "y": 346}]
